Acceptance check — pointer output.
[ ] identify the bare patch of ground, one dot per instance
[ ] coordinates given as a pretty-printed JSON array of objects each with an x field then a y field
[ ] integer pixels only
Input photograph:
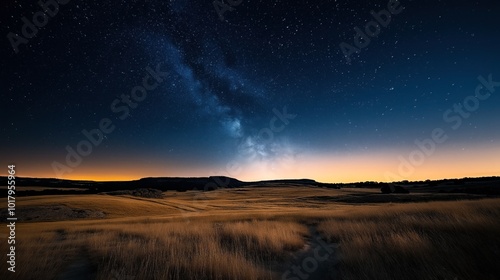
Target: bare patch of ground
[
  {"x": 53, "y": 213},
  {"x": 147, "y": 193},
  {"x": 79, "y": 269},
  {"x": 317, "y": 260}
]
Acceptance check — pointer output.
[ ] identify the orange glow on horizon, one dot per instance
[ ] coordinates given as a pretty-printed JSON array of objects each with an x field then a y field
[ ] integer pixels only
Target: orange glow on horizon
[
  {"x": 335, "y": 167},
  {"x": 385, "y": 166}
]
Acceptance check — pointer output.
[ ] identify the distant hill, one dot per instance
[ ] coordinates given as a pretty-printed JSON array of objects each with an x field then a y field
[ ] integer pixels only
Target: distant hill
[
  {"x": 62, "y": 186},
  {"x": 50, "y": 186}
]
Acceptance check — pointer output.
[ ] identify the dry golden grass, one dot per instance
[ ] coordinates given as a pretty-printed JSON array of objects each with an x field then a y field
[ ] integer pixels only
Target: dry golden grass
[
  {"x": 170, "y": 251},
  {"x": 437, "y": 240},
  {"x": 251, "y": 233},
  {"x": 176, "y": 250}
]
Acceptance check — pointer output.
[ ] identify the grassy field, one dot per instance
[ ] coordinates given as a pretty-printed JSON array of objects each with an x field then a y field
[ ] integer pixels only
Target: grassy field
[{"x": 256, "y": 233}]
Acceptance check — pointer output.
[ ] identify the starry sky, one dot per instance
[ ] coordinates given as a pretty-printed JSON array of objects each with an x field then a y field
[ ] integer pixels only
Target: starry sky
[{"x": 254, "y": 90}]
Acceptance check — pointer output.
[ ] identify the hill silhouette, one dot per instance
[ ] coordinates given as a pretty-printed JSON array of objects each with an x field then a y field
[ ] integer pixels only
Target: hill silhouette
[{"x": 51, "y": 186}]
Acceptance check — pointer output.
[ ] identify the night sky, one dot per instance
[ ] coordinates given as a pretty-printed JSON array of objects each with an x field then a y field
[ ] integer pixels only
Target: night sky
[{"x": 265, "y": 90}]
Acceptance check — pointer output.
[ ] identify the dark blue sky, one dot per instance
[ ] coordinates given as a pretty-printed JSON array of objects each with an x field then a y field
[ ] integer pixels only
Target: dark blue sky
[{"x": 219, "y": 84}]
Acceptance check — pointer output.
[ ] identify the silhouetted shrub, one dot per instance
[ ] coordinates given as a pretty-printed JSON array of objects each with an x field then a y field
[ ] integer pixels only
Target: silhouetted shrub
[{"x": 393, "y": 189}]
